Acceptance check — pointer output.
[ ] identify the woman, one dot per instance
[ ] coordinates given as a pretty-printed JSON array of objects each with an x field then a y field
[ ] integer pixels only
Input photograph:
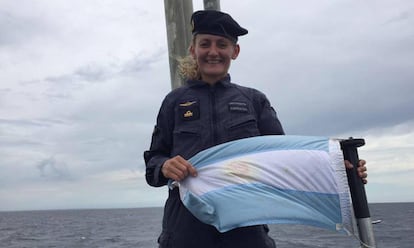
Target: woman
[{"x": 207, "y": 111}]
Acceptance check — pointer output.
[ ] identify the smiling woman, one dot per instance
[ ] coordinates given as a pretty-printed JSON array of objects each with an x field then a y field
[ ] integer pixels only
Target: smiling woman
[{"x": 207, "y": 111}]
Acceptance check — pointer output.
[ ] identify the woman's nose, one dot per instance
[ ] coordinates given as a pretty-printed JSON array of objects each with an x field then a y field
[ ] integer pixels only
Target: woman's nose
[{"x": 213, "y": 50}]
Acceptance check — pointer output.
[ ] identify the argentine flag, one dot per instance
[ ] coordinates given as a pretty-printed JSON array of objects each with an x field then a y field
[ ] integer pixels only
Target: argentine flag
[{"x": 276, "y": 179}]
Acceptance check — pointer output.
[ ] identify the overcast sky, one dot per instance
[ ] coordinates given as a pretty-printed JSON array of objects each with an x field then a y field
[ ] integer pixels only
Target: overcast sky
[{"x": 81, "y": 83}]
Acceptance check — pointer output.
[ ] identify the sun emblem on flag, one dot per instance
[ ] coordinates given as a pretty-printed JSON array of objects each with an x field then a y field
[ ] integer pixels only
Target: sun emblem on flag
[{"x": 242, "y": 169}]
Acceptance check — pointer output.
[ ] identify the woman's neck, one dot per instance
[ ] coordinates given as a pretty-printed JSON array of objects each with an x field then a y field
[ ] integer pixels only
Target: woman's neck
[{"x": 212, "y": 80}]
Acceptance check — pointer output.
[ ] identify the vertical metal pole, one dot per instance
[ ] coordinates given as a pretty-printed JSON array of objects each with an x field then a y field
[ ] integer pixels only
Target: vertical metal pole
[
  {"x": 212, "y": 4},
  {"x": 177, "y": 16},
  {"x": 358, "y": 195}
]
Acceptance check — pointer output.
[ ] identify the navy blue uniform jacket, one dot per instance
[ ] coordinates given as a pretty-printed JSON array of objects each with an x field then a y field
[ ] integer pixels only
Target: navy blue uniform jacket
[{"x": 195, "y": 117}]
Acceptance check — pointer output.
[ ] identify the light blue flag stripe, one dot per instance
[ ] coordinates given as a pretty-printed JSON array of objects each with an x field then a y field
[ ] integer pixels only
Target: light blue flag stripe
[
  {"x": 261, "y": 144},
  {"x": 257, "y": 204}
]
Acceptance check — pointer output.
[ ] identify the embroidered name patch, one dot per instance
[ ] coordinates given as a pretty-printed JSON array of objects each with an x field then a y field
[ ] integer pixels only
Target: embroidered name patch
[{"x": 238, "y": 107}]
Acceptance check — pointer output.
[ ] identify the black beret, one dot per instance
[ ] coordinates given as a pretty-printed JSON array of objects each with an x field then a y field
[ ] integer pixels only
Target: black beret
[{"x": 216, "y": 23}]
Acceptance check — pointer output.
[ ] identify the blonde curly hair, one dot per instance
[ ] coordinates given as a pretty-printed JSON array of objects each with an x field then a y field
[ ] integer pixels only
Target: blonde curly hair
[{"x": 187, "y": 66}]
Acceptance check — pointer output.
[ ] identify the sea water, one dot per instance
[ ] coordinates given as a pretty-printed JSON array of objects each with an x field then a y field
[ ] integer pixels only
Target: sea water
[{"x": 140, "y": 227}]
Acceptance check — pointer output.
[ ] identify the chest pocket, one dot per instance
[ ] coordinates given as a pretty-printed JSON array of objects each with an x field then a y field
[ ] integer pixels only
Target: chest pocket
[
  {"x": 186, "y": 131},
  {"x": 185, "y": 140},
  {"x": 242, "y": 122}
]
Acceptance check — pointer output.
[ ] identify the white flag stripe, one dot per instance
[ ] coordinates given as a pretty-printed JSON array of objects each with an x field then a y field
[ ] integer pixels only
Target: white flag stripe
[{"x": 291, "y": 170}]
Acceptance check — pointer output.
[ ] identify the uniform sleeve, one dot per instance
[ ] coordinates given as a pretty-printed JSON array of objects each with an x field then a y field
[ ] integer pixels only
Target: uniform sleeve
[
  {"x": 160, "y": 148},
  {"x": 268, "y": 122}
]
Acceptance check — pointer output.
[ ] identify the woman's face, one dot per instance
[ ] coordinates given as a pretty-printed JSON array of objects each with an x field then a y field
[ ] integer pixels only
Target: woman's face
[{"x": 213, "y": 55}]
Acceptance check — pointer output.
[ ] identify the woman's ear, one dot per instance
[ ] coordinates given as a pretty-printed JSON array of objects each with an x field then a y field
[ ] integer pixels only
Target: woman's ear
[
  {"x": 236, "y": 51},
  {"x": 192, "y": 51}
]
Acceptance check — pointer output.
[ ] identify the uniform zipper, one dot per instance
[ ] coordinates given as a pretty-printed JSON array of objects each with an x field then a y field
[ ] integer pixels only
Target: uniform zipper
[{"x": 213, "y": 114}]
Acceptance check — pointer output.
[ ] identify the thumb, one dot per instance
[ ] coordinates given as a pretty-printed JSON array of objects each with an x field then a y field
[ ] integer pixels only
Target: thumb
[
  {"x": 192, "y": 170},
  {"x": 348, "y": 165}
]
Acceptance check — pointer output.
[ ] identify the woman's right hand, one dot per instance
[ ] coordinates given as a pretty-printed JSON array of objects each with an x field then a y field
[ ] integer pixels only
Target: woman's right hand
[{"x": 177, "y": 168}]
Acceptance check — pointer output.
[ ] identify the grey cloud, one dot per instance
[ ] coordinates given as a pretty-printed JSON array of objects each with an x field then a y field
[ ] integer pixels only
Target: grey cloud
[
  {"x": 405, "y": 15},
  {"x": 23, "y": 133},
  {"x": 17, "y": 29},
  {"x": 63, "y": 86},
  {"x": 332, "y": 98},
  {"x": 32, "y": 123},
  {"x": 70, "y": 79},
  {"x": 5, "y": 90},
  {"x": 51, "y": 169},
  {"x": 349, "y": 101},
  {"x": 345, "y": 79},
  {"x": 20, "y": 143},
  {"x": 92, "y": 73},
  {"x": 101, "y": 72},
  {"x": 141, "y": 62}
]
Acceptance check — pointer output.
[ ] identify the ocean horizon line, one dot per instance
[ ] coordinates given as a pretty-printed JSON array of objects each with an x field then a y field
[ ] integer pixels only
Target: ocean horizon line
[{"x": 138, "y": 207}]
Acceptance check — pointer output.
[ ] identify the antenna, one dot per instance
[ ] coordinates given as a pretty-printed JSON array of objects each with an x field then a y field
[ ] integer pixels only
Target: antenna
[{"x": 358, "y": 195}]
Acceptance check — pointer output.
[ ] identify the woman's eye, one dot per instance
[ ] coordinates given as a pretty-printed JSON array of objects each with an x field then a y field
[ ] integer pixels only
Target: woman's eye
[
  {"x": 204, "y": 44},
  {"x": 222, "y": 45}
]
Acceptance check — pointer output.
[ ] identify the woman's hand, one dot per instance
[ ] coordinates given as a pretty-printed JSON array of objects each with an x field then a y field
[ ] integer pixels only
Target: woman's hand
[
  {"x": 177, "y": 168},
  {"x": 362, "y": 169}
]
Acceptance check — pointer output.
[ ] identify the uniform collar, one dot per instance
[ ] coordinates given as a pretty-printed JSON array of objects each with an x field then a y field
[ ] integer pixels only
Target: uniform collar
[{"x": 225, "y": 82}]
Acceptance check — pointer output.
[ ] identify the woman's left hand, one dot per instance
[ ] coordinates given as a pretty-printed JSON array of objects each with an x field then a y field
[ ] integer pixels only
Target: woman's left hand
[{"x": 362, "y": 169}]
